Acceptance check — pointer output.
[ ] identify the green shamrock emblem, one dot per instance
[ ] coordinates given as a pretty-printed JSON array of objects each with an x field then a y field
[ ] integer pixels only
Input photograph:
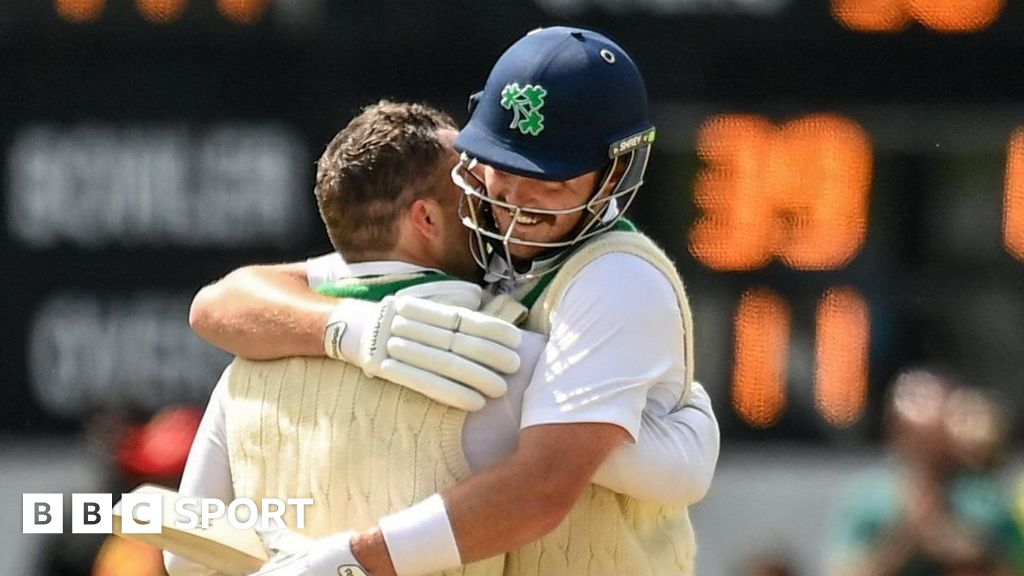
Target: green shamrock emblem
[{"x": 525, "y": 103}]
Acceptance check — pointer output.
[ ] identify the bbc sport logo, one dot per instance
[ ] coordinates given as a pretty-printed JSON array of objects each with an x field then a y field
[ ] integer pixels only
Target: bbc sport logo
[{"x": 148, "y": 513}]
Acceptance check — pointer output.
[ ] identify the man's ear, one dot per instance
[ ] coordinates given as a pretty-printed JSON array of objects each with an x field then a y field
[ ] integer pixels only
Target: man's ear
[{"x": 425, "y": 217}]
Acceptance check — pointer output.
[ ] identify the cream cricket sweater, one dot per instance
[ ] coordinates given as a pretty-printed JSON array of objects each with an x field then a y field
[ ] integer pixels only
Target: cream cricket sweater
[
  {"x": 360, "y": 447},
  {"x": 607, "y": 533}
]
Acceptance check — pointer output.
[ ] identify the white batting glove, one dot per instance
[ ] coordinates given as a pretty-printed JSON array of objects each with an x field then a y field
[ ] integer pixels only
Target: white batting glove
[
  {"x": 296, "y": 555},
  {"x": 450, "y": 354}
]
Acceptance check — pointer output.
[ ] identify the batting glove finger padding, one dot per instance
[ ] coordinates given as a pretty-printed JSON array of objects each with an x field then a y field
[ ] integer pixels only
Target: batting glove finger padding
[
  {"x": 488, "y": 353},
  {"x": 448, "y": 365},
  {"x": 429, "y": 335},
  {"x": 483, "y": 351},
  {"x": 450, "y": 354},
  {"x": 432, "y": 386},
  {"x": 459, "y": 320}
]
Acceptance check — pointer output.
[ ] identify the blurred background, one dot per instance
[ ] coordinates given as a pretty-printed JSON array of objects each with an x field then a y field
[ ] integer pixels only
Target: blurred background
[{"x": 841, "y": 183}]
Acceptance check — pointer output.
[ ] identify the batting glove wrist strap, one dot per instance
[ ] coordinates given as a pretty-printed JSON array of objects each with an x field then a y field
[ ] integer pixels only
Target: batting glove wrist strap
[
  {"x": 349, "y": 321},
  {"x": 450, "y": 354},
  {"x": 420, "y": 539}
]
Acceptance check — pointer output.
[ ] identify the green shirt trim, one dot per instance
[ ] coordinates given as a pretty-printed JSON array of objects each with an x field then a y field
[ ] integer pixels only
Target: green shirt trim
[{"x": 376, "y": 288}]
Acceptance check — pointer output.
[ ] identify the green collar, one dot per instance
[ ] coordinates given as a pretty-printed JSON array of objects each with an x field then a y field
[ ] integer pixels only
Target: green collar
[{"x": 376, "y": 288}]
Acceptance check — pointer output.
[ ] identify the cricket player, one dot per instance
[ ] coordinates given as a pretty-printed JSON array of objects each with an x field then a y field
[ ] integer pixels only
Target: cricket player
[
  {"x": 552, "y": 155},
  {"x": 682, "y": 445}
]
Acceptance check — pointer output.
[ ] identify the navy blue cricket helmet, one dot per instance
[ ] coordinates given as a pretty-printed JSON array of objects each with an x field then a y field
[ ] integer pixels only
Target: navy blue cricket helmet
[
  {"x": 559, "y": 103},
  {"x": 555, "y": 105}
]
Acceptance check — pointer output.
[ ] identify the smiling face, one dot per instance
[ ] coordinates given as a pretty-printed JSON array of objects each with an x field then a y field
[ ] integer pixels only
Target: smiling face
[{"x": 528, "y": 194}]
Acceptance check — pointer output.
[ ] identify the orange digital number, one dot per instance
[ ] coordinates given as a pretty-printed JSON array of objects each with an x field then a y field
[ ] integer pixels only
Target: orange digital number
[
  {"x": 1013, "y": 197},
  {"x": 761, "y": 352},
  {"x": 798, "y": 192},
  {"x": 735, "y": 230},
  {"x": 841, "y": 342},
  {"x": 948, "y": 16},
  {"x": 762, "y": 335}
]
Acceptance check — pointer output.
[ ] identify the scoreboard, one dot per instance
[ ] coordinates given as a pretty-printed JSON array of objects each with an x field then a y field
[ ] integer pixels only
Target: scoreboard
[
  {"x": 802, "y": 197},
  {"x": 841, "y": 182}
]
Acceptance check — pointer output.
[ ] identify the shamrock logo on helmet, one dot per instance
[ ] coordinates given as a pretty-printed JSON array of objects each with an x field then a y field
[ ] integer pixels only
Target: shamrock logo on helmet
[{"x": 525, "y": 103}]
